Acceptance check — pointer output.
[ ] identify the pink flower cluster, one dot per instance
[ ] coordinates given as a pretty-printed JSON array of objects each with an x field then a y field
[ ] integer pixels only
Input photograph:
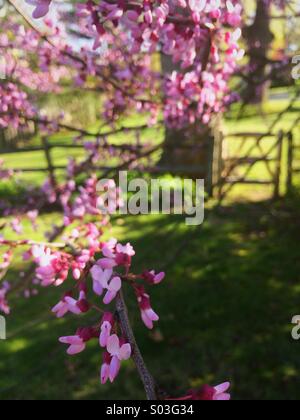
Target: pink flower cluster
[
  {"x": 53, "y": 267},
  {"x": 192, "y": 32},
  {"x": 94, "y": 199},
  {"x": 104, "y": 278},
  {"x": 6, "y": 259},
  {"x": 13, "y": 102},
  {"x": 108, "y": 274},
  {"x": 4, "y": 289}
]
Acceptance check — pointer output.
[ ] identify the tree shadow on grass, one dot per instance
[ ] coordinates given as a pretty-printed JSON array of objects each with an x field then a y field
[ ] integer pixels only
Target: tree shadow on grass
[{"x": 231, "y": 290}]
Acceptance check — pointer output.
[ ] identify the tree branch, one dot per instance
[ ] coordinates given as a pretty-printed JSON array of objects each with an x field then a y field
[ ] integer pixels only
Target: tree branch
[{"x": 146, "y": 377}]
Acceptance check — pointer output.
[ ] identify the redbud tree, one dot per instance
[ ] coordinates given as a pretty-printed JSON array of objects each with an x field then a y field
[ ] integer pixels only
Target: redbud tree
[{"x": 107, "y": 47}]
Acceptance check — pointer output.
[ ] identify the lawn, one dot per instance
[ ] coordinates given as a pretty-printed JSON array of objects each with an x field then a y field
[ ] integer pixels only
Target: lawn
[{"x": 232, "y": 288}]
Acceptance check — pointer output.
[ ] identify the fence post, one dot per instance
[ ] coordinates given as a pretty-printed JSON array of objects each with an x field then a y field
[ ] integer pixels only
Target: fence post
[
  {"x": 277, "y": 177},
  {"x": 290, "y": 162},
  {"x": 210, "y": 165},
  {"x": 218, "y": 182},
  {"x": 50, "y": 166}
]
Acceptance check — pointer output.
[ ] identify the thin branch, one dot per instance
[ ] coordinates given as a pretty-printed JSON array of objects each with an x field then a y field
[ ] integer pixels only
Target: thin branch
[
  {"x": 26, "y": 242},
  {"x": 146, "y": 377}
]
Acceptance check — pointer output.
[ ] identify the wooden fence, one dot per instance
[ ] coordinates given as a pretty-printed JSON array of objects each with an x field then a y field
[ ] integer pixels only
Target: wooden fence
[
  {"x": 224, "y": 167},
  {"x": 293, "y": 161},
  {"x": 268, "y": 150}
]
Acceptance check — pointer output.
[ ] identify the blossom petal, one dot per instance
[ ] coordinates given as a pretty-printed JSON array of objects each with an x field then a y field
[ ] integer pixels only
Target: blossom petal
[
  {"x": 114, "y": 368},
  {"x": 72, "y": 339},
  {"x": 113, "y": 345},
  {"x": 75, "y": 349},
  {"x": 125, "y": 352},
  {"x": 109, "y": 297},
  {"x": 115, "y": 284},
  {"x": 222, "y": 387}
]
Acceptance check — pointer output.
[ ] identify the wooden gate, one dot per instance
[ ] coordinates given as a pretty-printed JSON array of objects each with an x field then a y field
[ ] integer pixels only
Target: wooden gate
[
  {"x": 237, "y": 154},
  {"x": 293, "y": 161}
]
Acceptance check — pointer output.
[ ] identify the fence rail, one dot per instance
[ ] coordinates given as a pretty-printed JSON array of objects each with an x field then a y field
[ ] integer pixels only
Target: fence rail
[
  {"x": 222, "y": 175},
  {"x": 228, "y": 166}
]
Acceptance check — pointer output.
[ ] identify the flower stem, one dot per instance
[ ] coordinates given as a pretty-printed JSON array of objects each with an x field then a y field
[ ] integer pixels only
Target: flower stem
[{"x": 146, "y": 377}]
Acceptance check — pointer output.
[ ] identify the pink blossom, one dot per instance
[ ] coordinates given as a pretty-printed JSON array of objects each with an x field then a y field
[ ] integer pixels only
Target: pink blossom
[
  {"x": 147, "y": 313},
  {"x": 6, "y": 259},
  {"x": 234, "y": 16},
  {"x": 116, "y": 255},
  {"x": 152, "y": 278},
  {"x": 77, "y": 342},
  {"x": 104, "y": 280},
  {"x": 4, "y": 289},
  {"x": 197, "y": 5},
  {"x": 52, "y": 268},
  {"x": 208, "y": 393},
  {"x": 107, "y": 324},
  {"x": 17, "y": 226},
  {"x": 124, "y": 254},
  {"x": 113, "y": 287},
  {"x": 108, "y": 371},
  {"x": 100, "y": 278},
  {"x": 117, "y": 350},
  {"x": 41, "y": 7},
  {"x": 62, "y": 308},
  {"x": 69, "y": 304}
]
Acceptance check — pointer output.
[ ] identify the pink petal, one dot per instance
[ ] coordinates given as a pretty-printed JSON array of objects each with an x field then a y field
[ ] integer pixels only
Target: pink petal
[
  {"x": 222, "y": 397},
  {"x": 147, "y": 321},
  {"x": 96, "y": 272},
  {"x": 73, "y": 339},
  {"x": 222, "y": 387},
  {"x": 105, "y": 334},
  {"x": 75, "y": 349},
  {"x": 114, "y": 368},
  {"x": 108, "y": 253},
  {"x": 60, "y": 309},
  {"x": 109, "y": 297},
  {"x": 97, "y": 288},
  {"x": 104, "y": 373},
  {"x": 113, "y": 345},
  {"x": 107, "y": 263},
  {"x": 125, "y": 352},
  {"x": 152, "y": 315},
  {"x": 115, "y": 284},
  {"x": 106, "y": 277},
  {"x": 159, "y": 278},
  {"x": 41, "y": 10}
]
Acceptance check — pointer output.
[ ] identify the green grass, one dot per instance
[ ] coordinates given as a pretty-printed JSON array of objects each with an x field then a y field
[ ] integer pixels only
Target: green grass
[{"x": 231, "y": 290}]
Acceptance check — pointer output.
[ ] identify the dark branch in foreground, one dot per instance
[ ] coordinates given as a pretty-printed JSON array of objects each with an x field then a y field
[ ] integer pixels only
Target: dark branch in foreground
[{"x": 145, "y": 375}]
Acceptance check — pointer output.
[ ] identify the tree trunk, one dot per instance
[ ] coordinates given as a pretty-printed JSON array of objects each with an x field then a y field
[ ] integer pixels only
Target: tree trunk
[
  {"x": 188, "y": 152},
  {"x": 259, "y": 38}
]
